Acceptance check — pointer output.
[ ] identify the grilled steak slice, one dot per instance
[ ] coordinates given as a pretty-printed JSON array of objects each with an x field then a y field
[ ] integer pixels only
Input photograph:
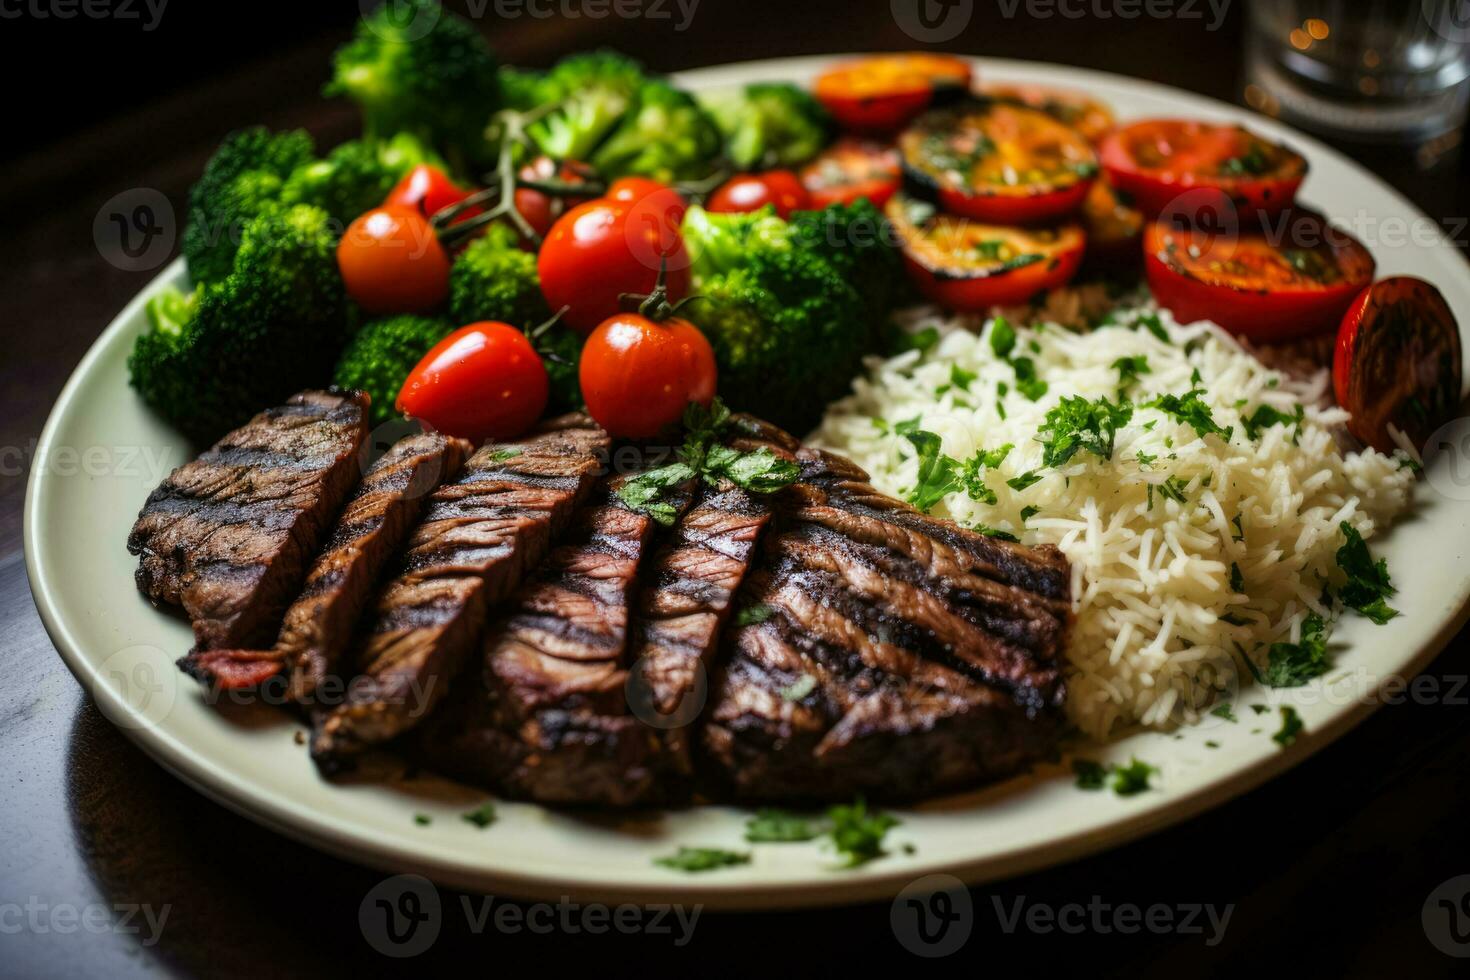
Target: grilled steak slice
[
  {"x": 318, "y": 626},
  {"x": 228, "y": 536},
  {"x": 892, "y": 654},
  {"x": 479, "y": 536},
  {"x": 550, "y": 721}
]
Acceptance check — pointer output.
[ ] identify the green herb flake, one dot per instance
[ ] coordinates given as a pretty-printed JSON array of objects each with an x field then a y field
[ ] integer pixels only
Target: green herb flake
[
  {"x": 1265, "y": 416},
  {"x": 481, "y": 816},
  {"x": 1291, "y": 727},
  {"x": 1191, "y": 410},
  {"x": 1225, "y": 711},
  {"x": 770, "y": 826},
  {"x": 1002, "y": 338},
  {"x": 1027, "y": 479},
  {"x": 750, "y": 615},
  {"x": 1090, "y": 775},
  {"x": 1129, "y": 369},
  {"x": 501, "y": 455},
  {"x": 1132, "y": 779},
  {"x": 697, "y": 859},
  {"x": 1293, "y": 664},
  {"x": 1237, "y": 580},
  {"x": 1078, "y": 424},
  {"x": 1368, "y": 584},
  {"x": 799, "y": 688},
  {"x": 857, "y": 833},
  {"x": 422, "y": 819}
]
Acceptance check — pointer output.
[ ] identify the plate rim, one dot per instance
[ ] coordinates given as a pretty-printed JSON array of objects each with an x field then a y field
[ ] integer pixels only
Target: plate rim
[{"x": 297, "y": 821}]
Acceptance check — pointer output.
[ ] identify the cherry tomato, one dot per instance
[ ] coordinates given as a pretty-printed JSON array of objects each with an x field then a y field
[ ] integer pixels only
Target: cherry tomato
[
  {"x": 484, "y": 381},
  {"x": 650, "y": 205},
  {"x": 1397, "y": 363},
  {"x": 541, "y": 210},
  {"x": 602, "y": 249},
  {"x": 999, "y": 163},
  {"x": 391, "y": 262},
  {"x": 850, "y": 169},
  {"x": 428, "y": 190},
  {"x": 1114, "y": 231},
  {"x": 1156, "y": 161},
  {"x": 1294, "y": 281},
  {"x": 638, "y": 375},
  {"x": 751, "y": 192},
  {"x": 970, "y": 267},
  {"x": 883, "y": 93},
  {"x": 1091, "y": 118}
]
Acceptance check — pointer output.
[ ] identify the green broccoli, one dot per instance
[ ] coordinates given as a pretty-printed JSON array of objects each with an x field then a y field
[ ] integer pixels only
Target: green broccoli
[
  {"x": 593, "y": 91},
  {"x": 721, "y": 242},
  {"x": 272, "y": 326},
  {"x": 356, "y": 176},
  {"x": 379, "y": 357},
  {"x": 244, "y": 177},
  {"x": 861, "y": 245},
  {"x": 442, "y": 85},
  {"x": 523, "y": 90},
  {"x": 665, "y": 135},
  {"x": 561, "y": 351},
  {"x": 788, "y": 333},
  {"x": 494, "y": 279},
  {"x": 770, "y": 124}
]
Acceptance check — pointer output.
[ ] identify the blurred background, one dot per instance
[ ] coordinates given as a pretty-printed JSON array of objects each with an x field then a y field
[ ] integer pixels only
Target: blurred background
[{"x": 128, "y": 95}]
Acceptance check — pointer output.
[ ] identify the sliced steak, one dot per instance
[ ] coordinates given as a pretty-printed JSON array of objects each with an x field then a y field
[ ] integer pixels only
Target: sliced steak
[
  {"x": 550, "y": 721},
  {"x": 228, "y": 536},
  {"x": 478, "y": 538},
  {"x": 886, "y": 653},
  {"x": 383, "y": 510}
]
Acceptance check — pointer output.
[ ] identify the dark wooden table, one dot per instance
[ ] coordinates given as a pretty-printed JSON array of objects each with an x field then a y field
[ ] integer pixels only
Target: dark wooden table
[{"x": 1327, "y": 870}]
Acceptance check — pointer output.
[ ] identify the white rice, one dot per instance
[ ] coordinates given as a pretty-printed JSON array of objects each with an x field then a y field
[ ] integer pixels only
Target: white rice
[{"x": 1149, "y": 584}]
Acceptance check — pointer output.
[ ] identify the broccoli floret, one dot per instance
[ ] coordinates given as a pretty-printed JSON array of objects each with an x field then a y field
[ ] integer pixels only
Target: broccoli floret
[
  {"x": 523, "y": 90},
  {"x": 493, "y": 279},
  {"x": 861, "y": 245},
  {"x": 356, "y": 176},
  {"x": 243, "y": 178},
  {"x": 442, "y": 85},
  {"x": 272, "y": 326},
  {"x": 787, "y": 331},
  {"x": 665, "y": 135},
  {"x": 721, "y": 242},
  {"x": 379, "y": 357},
  {"x": 561, "y": 352},
  {"x": 594, "y": 91},
  {"x": 770, "y": 124}
]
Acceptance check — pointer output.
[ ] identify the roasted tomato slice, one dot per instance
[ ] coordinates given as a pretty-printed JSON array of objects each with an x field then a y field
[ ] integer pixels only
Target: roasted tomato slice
[
  {"x": 1398, "y": 363},
  {"x": 1091, "y": 118},
  {"x": 1156, "y": 161},
  {"x": 1293, "y": 279},
  {"x": 968, "y": 266},
  {"x": 1114, "y": 231},
  {"x": 850, "y": 169},
  {"x": 881, "y": 94},
  {"x": 998, "y": 163}
]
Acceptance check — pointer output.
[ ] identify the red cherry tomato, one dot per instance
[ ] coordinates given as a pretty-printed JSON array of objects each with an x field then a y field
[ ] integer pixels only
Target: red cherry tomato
[
  {"x": 851, "y": 169},
  {"x": 999, "y": 163},
  {"x": 484, "y": 381},
  {"x": 966, "y": 266},
  {"x": 541, "y": 210},
  {"x": 638, "y": 375},
  {"x": 1398, "y": 363},
  {"x": 881, "y": 94},
  {"x": 1296, "y": 281},
  {"x": 602, "y": 249},
  {"x": 751, "y": 192},
  {"x": 1156, "y": 161},
  {"x": 650, "y": 205},
  {"x": 391, "y": 262},
  {"x": 428, "y": 190}
]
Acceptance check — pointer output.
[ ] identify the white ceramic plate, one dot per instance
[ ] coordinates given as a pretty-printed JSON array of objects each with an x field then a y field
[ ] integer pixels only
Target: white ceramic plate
[{"x": 102, "y": 452}]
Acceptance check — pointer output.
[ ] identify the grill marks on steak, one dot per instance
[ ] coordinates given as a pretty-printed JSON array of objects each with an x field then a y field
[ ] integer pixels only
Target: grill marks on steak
[
  {"x": 318, "y": 626},
  {"x": 901, "y": 655},
  {"x": 551, "y": 720},
  {"x": 228, "y": 536},
  {"x": 479, "y": 536}
]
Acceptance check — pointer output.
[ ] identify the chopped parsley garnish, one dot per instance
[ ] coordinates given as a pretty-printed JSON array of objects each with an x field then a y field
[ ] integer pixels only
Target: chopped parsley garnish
[
  {"x": 1265, "y": 416},
  {"x": 501, "y": 455},
  {"x": 972, "y": 468},
  {"x": 703, "y": 457},
  {"x": 1239, "y": 534},
  {"x": 422, "y": 819},
  {"x": 1368, "y": 584},
  {"x": 780, "y": 827},
  {"x": 1260, "y": 709},
  {"x": 1002, "y": 338},
  {"x": 1224, "y": 711},
  {"x": 1237, "y": 580},
  {"x": 1078, "y": 424},
  {"x": 1191, "y": 410},
  {"x": 1253, "y": 162},
  {"x": 858, "y": 834},
  {"x": 1293, "y": 664},
  {"x": 1027, "y": 383},
  {"x": 997, "y": 533},
  {"x": 938, "y": 473},
  {"x": 1132, "y": 779},
  {"x": 1090, "y": 775},
  {"x": 1291, "y": 727},
  {"x": 694, "y": 859},
  {"x": 1129, "y": 369},
  {"x": 919, "y": 340},
  {"x": 1027, "y": 479},
  {"x": 1144, "y": 460},
  {"x": 750, "y": 615},
  {"x": 799, "y": 688},
  {"x": 481, "y": 816},
  {"x": 1029, "y": 512},
  {"x": 959, "y": 378}
]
